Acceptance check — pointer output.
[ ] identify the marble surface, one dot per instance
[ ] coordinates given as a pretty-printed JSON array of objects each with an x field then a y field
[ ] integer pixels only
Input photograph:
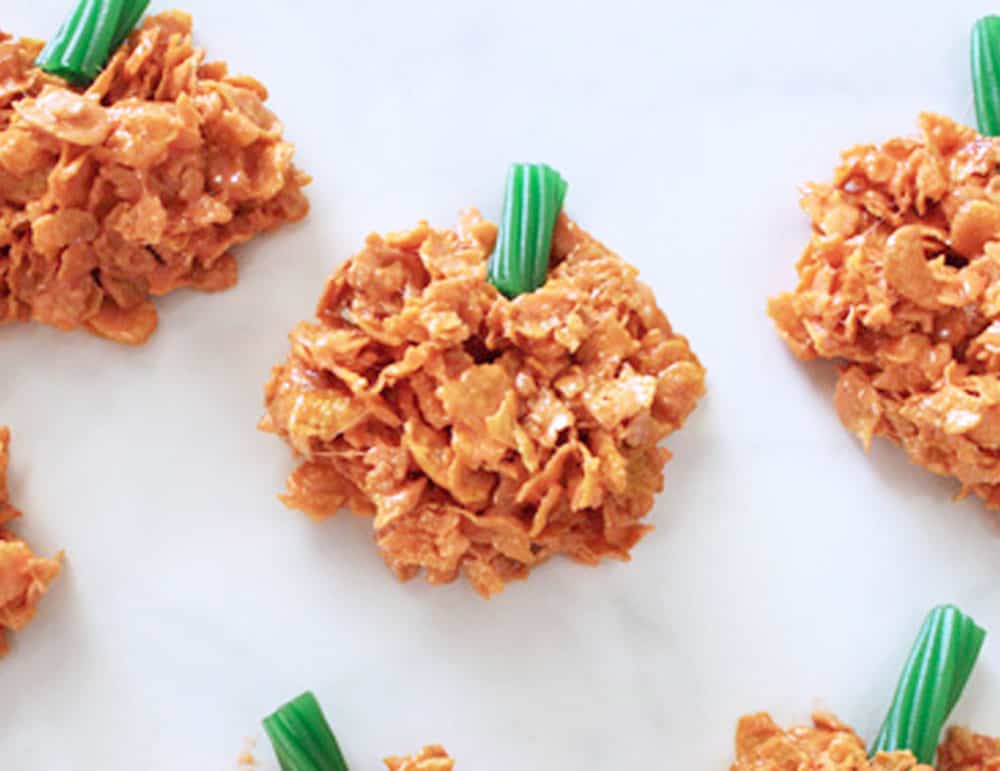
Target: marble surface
[{"x": 787, "y": 571}]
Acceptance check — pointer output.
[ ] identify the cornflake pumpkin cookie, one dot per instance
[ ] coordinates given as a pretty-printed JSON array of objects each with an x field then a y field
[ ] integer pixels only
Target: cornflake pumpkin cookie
[
  {"x": 931, "y": 683},
  {"x": 761, "y": 745},
  {"x": 900, "y": 283},
  {"x": 302, "y": 739},
  {"x": 830, "y": 744},
  {"x": 484, "y": 434},
  {"x": 430, "y": 758},
  {"x": 24, "y": 578},
  {"x": 135, "y": 185}
]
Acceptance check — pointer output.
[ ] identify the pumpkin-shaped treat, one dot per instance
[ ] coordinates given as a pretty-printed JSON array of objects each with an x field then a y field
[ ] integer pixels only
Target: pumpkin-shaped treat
[
  {"x": 487, "y": 413},
  {"x": 761, "y": 745},
  {"x": 24, "y": 577},
  {"x": 900, "y": 285},
  {"x": 303, "y": 740},
  {"x": 932, "y": 682},
  {"x": 123, "y": 182}
]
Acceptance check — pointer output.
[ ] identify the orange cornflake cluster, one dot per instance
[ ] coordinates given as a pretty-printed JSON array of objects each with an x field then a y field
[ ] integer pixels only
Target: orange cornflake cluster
[
  {"x": 901, "y": 282},
  {"x": 761, "y": 745},
  {"x": 833, "y": 746},
  {"x": 137, "y": 186},
  {"x": 24, "y": 578},
  {"x": 966, "y": 751},
  {"x": 432, "y": 758},
  {"x": 483, "y": 435}
]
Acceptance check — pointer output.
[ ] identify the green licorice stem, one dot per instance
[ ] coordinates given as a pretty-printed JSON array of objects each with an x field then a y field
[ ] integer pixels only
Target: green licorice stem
[
  {"x": 63, "y": 56},
  {"x": 86, "y": 40},
  {"x": 302, "y": 738},
  {"x": 931, "y": 683},
  {"x": 532, "y": 202},
  {"x": 986, "y": 74},
  {"x": 130, "y": 18},
  {"x": 98, "y": 49},
  {"x": 54, "y": 52}
]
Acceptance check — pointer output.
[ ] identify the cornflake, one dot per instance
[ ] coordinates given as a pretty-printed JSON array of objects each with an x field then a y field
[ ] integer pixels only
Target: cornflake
[
  {"x": 432, "y": 758},
  {"x": 483, "y": 435},
  {"x": 830, "y": 744},
  {"x": 137, "y": 186},
  {"x": 24, "y": 578},
  {"x": 966, "y": 751},
  {"x": 900, "y": 282}
]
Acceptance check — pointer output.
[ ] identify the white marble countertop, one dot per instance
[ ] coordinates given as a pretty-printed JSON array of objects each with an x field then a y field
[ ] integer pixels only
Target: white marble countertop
[{"x": 787, "y": 569}]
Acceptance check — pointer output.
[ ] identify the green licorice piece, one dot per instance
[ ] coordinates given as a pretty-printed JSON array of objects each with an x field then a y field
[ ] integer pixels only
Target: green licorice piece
[
  {"x": 986, "y": 74},
  {"x": 129, "y": 19},
  {"x": 302, "y": 738},
  {"x": 932, "y": 682},
  {"x": 53, "y": 53},
  {"x": 98, "y": 49},
  {"x": 88, "y": 38},
  {"x": 532, "y": 202},
  {"x": 63, "y": 56}
]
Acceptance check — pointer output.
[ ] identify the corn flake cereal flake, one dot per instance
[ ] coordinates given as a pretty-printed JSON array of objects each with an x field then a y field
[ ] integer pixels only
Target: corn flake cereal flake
[
  {"x": 432, "y": 758},
  {"x": 963, "y": 750}
]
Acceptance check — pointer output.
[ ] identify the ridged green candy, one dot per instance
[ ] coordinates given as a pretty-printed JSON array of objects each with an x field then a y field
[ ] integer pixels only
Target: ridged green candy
[
  {"x": 88, "y": 38},
  {"x": 302, "y": 738},
  {"x": 532, "y": 202},
  {"x": 986, "y": 74},
  {"x": 932, "y": 682}
]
